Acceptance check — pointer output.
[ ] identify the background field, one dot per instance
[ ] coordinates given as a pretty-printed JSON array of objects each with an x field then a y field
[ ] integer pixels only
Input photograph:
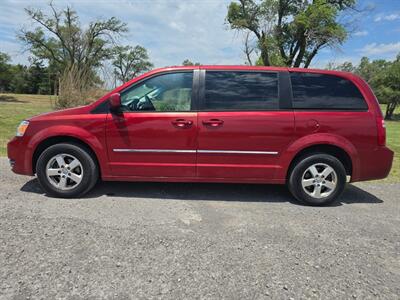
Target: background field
[{"x": 15, "y": 108}]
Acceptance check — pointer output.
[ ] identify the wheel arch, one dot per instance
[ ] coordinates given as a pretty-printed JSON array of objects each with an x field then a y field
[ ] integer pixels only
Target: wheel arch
[
  {"x": 53, "y": 140},
  {"x": 341, "y": 154}
]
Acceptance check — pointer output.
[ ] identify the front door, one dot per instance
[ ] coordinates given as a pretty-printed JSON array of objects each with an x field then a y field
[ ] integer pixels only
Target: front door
[
  {"x": 242, "y": 129},
  {"x": 155, "y": 134}
]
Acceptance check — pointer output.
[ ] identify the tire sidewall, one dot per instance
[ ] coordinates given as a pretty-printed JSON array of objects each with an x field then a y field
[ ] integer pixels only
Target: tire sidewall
[
  {"x": 298, "y": 171},
  {"x": 88, "y": 165}
]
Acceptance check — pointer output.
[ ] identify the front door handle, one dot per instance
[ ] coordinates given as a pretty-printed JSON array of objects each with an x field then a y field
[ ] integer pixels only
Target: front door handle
[
  {"x": 182, "y": 123},
  {"x": 213, "y": 122}
]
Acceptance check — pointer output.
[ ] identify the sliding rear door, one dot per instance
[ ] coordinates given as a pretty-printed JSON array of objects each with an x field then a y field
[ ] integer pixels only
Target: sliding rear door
[{"x": 242, "y": 129}]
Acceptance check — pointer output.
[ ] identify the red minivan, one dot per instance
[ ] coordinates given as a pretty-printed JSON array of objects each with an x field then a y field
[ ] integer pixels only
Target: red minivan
[{"x": 310, "y": 129}]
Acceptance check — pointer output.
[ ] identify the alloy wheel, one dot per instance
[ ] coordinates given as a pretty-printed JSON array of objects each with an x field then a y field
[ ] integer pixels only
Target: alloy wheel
[
  {"x": 319, "y": 180},
  {"x": 64, "y": 171}
]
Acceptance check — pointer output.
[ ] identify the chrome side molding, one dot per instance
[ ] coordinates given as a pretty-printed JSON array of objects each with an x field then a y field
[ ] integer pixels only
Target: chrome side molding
[
  {"x": 238, "y": 152},
  {"x": 154, "y": 150},
  {"x": 196, "y": 151}
]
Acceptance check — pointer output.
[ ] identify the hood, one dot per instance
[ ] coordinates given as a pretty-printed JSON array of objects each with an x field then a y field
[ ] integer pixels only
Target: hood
[{"x": 63, "y": 112}]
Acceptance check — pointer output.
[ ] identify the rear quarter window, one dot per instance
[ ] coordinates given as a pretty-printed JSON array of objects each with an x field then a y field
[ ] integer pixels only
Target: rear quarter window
[{"x": 325, "y": 92}]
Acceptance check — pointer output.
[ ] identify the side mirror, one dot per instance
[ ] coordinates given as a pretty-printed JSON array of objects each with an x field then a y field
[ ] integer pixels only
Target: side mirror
[{"x": 115, "y": 102}]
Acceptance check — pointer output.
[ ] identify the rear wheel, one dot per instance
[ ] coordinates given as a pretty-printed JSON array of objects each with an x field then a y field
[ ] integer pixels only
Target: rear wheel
[
  {"x": 66, "y": 170},
  {"x": 318, "y": 179}
]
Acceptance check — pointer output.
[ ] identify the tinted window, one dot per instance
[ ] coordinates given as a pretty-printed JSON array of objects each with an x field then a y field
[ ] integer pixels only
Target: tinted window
[
  {"x": 241, "y": 91},
  {"x": 167, "y": 92},
  {"x": 320, "y": 91}
]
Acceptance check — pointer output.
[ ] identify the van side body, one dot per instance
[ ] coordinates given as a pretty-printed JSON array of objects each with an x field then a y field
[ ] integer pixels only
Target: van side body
[{"x": 202, "y": 142}]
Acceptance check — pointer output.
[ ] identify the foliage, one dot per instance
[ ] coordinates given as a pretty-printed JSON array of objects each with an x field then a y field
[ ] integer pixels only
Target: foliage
[
  {"x": 383, "y": 76},
  {"x": 290, "y": 32},
  {"x": 130, "y": 61},
  {"x": 69, "y": 49},
  {"x": 5, "y": 72},
  {"x": 188, "y": 62},
  {"x": 389, "y": 86},
  {"x": 76, "y": 88},
  {"x": 61, "y": 40},
  {"x": 33, "y": 79},
  {"x": 347, "y": 66}
]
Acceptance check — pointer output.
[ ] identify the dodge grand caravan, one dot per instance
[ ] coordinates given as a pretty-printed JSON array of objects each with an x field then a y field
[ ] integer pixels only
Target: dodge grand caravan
[{"x": 313, "y": 130}]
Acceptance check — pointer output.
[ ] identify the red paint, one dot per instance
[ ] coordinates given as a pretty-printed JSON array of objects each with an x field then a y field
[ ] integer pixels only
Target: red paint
[
  {"x": 152, "y": 131},
  {"x": 359, "y": 134},
  {"x": 243, "y": 131}
]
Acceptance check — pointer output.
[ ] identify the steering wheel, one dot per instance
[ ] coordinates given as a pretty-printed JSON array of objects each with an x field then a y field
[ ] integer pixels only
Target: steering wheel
[
  {"x": 132, "y": 105},
  {"x": 145, "y": 104}
]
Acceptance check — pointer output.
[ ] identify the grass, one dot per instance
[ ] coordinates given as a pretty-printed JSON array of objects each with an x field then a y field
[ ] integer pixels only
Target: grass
[
  {"x": 393, "y": 142},
  {"x": 14, "y": 108}
]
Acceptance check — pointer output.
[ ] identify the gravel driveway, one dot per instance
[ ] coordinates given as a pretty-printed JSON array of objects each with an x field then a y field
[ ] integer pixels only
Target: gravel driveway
[{"x": 181, "y": 241}]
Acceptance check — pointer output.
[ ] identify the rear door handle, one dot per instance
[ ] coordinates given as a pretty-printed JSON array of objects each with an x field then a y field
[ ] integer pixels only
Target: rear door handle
[
  {"x": 213, "y": 122},
  {"x": 182, "y": 123}
]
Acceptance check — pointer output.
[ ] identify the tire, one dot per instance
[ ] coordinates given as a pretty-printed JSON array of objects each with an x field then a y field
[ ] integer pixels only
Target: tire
[
  {"x": 317, "y": 179},
  {"x": 59, "y": 181}
]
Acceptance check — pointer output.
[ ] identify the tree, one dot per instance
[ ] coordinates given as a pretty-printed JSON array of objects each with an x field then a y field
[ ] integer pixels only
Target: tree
[
  {"x": 130, "y": 61},
  {"x": 70, "y": 50},
  {"x": 383, "y": 77},
  {"x": 33, "y": 79},
  {"x": 61, "y": 40},
  {"x": 388, "y": 82},
  {"x": 38, "y": 77},
  {"x": 347, "y": 66},
  {"x": 371, "y": 71},
  {"x": 290, "y": 32},
  {"x": 5, "y": 72},
  {"x": 188, "y": 62}
]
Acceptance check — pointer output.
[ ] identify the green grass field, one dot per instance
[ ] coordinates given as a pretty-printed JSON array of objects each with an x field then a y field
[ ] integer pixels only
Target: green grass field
[{"x": 15, "y": 108}]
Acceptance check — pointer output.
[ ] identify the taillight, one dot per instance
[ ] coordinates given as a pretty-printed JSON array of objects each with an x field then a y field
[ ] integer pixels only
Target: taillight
[{"x": 380, "y": 124}]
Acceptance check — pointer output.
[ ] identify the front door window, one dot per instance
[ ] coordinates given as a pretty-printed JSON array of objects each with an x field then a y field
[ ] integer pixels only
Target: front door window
[{"x": 164, "y": 93}]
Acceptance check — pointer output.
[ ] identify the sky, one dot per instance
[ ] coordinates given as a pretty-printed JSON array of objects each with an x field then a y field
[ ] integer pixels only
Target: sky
[{"x": 174, "y": 30}]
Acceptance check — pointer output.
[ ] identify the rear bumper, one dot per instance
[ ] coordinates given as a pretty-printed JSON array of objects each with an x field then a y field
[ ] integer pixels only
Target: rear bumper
[
  {"x": 377, "y": 165},
  {"x": 20, "y": 160}
]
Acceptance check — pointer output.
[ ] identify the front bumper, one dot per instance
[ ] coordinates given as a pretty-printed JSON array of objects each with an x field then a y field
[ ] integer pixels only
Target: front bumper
[{"x": 19, "y": 157}]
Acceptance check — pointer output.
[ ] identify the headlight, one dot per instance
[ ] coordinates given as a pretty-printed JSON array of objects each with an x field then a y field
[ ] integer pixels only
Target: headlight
[{"x": 22, "y": 127}]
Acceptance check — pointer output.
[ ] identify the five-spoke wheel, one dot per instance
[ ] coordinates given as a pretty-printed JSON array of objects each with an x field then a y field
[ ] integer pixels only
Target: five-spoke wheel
[
  {"x": 64, "y": 171},
  {"x": 317, "y": 179},
  {"x": 67, "y": 170}
]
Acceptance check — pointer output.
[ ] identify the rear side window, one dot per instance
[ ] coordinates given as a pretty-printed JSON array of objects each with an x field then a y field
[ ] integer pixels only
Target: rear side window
[
  {"x": 226, "y": 90},
  {"x": 325, "y": 92}
]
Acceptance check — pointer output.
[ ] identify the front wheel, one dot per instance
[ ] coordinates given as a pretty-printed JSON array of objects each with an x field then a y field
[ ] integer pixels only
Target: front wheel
[
  {"x": 66, "y": 170},
  {"x": 318, "y": 179}
]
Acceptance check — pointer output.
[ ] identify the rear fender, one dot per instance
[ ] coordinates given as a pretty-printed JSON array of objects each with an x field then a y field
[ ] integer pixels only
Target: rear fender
[{"x": 313, "y": 140}]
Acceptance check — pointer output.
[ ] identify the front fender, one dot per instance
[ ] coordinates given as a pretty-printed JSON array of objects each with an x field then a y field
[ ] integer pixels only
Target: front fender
[
  {"x": 317, "y": 139},
  {"x": 78, "y": 133}
]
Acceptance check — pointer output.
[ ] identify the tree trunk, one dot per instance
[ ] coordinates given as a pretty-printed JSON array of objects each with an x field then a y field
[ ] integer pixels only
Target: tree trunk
[
  {"x": 390, "y": 108},
  {"x": 300, "y": 56},
  {"x": 265, "y": 56},
  {"x": 280, "y": 38},
  {"x": 55, "y": 86},
  {"x": 264, "y": 51},
  {"x": 310, "y": 57}
]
